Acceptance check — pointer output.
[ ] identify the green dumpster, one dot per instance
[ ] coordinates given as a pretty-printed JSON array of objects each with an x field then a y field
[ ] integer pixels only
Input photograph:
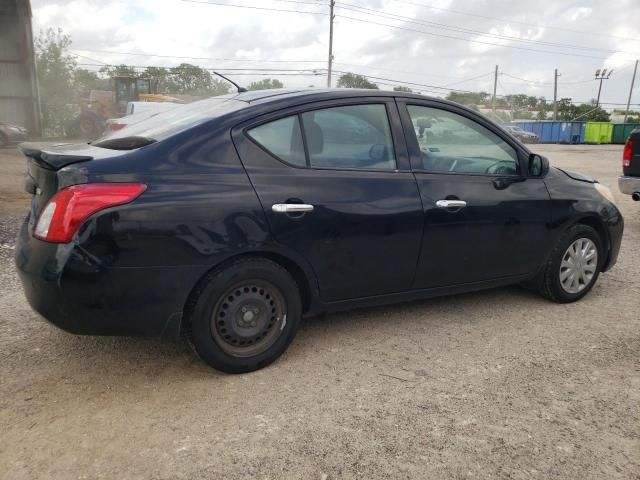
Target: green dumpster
[
  {"x": 598, "y": 132},
  {"x": 621, "y": 131}
]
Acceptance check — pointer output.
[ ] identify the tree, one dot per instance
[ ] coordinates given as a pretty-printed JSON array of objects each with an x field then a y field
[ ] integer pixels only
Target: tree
[
  {"x": 587, "y": 112},
  {"x": 265, "y": 84},
  {"x": 219, "y": 87},
  {"x": 55, "y": 70},
  {"x": 190, "y": 79},
  {"x": 543, "y": 108},
  {"x": 85, "y": 80},
  {"x": 160, "y": 75},
  {"x": 401, "y": 88},
  {"x": 469, "y": 98},
  {"x": 351, "y": 80},
  {"x": 118, "y": 71}
]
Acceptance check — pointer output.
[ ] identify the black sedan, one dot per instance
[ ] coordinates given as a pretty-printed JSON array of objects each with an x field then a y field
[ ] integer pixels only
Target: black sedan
[
  {"x": 10, "y": 133},
  {"x": 228, "y": 220}
]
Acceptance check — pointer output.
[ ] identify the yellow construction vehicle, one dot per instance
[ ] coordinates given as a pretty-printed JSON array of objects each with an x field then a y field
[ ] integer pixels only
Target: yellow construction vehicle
[{"x": 104, "y": 104}]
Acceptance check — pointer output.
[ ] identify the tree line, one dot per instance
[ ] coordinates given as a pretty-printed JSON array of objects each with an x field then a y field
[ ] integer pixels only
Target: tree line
[{"x": 521, "y": 104}]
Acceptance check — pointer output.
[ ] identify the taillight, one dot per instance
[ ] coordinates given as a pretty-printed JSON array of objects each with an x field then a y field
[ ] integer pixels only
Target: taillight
[
  {"x": 70, "y": 207},
  {"x": 116, "y": 126},
  {"x": 627, "y": 153}
]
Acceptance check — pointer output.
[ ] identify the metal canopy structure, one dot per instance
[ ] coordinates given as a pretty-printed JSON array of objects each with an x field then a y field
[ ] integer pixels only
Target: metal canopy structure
[{"x": 18, "y": 86}]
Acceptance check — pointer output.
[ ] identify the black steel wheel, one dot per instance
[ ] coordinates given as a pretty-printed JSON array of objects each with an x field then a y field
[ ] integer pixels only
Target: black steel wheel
[
  {"x": 248, "y": 318},
  {"x": 244, "y": 315}
]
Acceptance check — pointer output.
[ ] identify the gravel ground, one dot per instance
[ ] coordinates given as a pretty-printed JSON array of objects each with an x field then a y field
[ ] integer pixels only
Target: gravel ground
[{"x": 495, "y": 384}]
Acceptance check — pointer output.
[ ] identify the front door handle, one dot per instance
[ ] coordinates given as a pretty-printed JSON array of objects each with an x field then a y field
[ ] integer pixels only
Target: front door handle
[
  {"x": 451, "y": 204},
  {"x": 291, "y": 208}
]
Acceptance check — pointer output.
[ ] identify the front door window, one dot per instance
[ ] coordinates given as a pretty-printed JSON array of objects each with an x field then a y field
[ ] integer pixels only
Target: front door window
[{"x": 452, "y": 143}]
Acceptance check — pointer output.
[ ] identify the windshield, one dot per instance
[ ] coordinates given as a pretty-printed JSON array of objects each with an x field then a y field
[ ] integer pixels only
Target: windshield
[{"x": 164, "y": 124}]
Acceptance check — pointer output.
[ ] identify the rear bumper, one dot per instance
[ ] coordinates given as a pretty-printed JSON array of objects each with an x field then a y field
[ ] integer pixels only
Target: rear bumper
[
  {"x": 76, "y": 293},
  {"x": 629, "y": 185}
]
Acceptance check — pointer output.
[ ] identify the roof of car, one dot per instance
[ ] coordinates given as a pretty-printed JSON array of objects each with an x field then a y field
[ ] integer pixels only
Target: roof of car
[{"x": 283, "y": 93}]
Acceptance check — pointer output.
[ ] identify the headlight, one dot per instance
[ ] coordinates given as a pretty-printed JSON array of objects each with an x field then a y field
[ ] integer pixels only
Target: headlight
[{"x": 605, "y": 192}]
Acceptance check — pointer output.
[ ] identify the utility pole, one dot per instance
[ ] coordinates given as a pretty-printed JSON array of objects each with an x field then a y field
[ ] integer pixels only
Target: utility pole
[
  {"x": 495, "y": 88},
  {"x": 601, "y": 75},
  {"x": 555, "y": 94},
  {"x": 332, "y": 4},
  {"x": 633, "y": 80}
]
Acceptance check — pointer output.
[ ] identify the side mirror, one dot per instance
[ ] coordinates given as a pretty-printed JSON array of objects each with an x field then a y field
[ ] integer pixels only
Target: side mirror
[{"x": 538, "y": 165}]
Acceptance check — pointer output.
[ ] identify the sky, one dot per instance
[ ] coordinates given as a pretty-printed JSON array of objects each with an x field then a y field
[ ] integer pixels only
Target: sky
[{"x": 429, "y": 45}]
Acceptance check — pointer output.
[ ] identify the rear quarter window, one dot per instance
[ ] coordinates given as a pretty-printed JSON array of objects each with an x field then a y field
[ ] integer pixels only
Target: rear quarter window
[{"x": 283, "y": 139}]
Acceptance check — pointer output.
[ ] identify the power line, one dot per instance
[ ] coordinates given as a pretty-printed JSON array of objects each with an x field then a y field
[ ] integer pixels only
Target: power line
[
  {"x": 111, "y": 52},
  {"x": 532, "y": 82},
  {"x": 576, "y": 82},
  {"x": 505, "y": 20},
  {"x": 238, "y": 71},
  {"x": 402, "y": 82},
  {"x": 86, "y": 58},
  {"x": 434, "y": 89},
  {"x": 469, "y": 79},
  {"x": 468, "y": 39},
  {"x": 393, "y": 16},
  {"x": 394, "y": 70},
  {"x": 252, "y": 7},
  {"x": 302, "y": 2}
]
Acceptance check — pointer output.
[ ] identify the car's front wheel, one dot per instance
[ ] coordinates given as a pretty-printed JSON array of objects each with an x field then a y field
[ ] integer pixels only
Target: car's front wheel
[
  {"x": 574, "y": 265},
  {"x": 245, "y": 315}
]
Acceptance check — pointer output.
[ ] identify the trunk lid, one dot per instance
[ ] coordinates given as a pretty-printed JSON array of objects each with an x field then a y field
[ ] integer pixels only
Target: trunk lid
[{"x": 44, "y": 160}]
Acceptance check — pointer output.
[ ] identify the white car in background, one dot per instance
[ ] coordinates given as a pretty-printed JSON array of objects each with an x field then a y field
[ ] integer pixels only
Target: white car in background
[{"x": 137, "y": 111}]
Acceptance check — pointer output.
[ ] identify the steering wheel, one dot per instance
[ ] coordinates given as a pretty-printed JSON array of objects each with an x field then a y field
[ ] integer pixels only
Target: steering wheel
[{"x": 501, "y": 167}]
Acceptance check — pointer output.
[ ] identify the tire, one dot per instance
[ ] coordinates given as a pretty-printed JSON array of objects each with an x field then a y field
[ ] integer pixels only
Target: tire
[
  {"x": 251, "y": 300},
  {"x": 552, "y": 286}
]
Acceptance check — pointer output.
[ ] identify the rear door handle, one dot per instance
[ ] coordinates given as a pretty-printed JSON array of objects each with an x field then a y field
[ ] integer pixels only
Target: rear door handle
[
  {"x": 291, "y": 208},
  {"x": 451, "y": 204}
]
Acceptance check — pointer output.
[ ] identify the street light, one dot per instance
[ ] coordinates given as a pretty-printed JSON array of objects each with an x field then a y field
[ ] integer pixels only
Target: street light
[{"x": 601, "y": 75}]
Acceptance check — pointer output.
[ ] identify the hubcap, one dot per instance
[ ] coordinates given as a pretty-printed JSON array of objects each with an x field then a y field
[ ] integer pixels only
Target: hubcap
[
  {"x": 578, "y": 266},
  {"x": 248, "y": 318}
]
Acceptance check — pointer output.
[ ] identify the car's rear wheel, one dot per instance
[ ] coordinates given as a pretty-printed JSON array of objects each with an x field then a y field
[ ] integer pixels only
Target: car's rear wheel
[
  {"x": 574, "y": 265},
  {"x": 245, "y": 315}
]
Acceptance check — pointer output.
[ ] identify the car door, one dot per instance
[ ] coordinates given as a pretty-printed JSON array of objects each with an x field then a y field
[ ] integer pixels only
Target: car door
[
  {"x": 335, "y": 182},
  {"x": 485, "y": 218}
]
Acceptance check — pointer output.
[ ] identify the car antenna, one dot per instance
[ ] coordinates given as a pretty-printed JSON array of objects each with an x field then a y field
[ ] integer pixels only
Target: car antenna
[{"x": 240, "y": 89}]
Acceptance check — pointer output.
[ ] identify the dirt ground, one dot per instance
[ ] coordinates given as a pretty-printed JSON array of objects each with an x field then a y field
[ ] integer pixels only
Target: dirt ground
[{"x": 496, "y": 384}]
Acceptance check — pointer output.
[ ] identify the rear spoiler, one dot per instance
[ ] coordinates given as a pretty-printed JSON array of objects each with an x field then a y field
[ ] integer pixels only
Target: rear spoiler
[{"x": 54, "y": 156}]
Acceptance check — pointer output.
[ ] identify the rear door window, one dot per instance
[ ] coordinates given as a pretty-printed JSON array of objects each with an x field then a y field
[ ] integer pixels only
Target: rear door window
[{"x": 349, "y": 137}]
